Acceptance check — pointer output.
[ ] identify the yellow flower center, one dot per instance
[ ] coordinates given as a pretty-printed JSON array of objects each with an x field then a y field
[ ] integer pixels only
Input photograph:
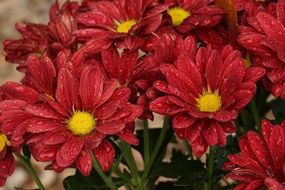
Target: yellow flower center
[
  {"x": 178, "y": 15},
  {"x": 4, "y": 141},
  {"x": 209, "y": 101},
  {"x": 81, "y": 123},
  {"x": 125, "y": 27}
]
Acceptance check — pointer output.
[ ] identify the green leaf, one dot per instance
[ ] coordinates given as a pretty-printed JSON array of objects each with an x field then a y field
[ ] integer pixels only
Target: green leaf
[
  {"x": 189, "y": 173},
  {"x": 92, "y": 182},
  {"x": 278, "y": 109}
]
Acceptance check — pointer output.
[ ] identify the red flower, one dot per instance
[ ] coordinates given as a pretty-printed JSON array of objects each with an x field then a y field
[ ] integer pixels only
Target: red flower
[
  {"x": 35, "y": 40},
  {"x": 261, "y": 162},
  {"x": 263, "y": 39},
  {"x": 80, "y": 116},
  {"x": 39, "y": 39},
  {"x": 125, "y": 21},
  {"x": 7, "y": 161},
  {"x": 186, "y": 15},
  {"x": 204, "y": 92}
]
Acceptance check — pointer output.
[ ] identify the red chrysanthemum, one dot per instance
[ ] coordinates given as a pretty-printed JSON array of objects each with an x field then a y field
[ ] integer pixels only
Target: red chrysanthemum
[
  {"x": 264, "y": 40},
  {"x": 44, "y": 39},
  {"x": 186, "y": 15},
  {"x": 261, "y": 162},
  {"x": 125, "y": 21},
  {"x": 78, "y": 118},
  {"x": 204, "y": 93}
]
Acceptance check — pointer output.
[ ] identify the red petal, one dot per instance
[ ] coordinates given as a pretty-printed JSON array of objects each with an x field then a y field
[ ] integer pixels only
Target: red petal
[
  {"x": 43, "y": 153},
  {"x": 39, "y": 125},
  {"x": 7, "y": 165},
  {"x": 54, "y": 138},
  {"x": 106, "y": 110},
  {"x": 199, "y": 146},
  {"x": 17, "y": 91},
  {"x": 84, "y": 162},
  {"x": 12, "y": 104},
  {"x": 164, "y": 106},
  {"x": 181, "y": 121},
  {"x": 111, "y": 127},
  {"x": 225, "y": 115},
  {"x": 108, "y": 90},
  {"x": 210, "y": 133},
  {"x": 69, "y": 151},
  {"x": 128, "y": 137},
  {"x": 105, "y": 155},
  {"x": 260, "y": 149},
  {"x": 43, "y": 110},
  {"x": 67, "y": 90}
]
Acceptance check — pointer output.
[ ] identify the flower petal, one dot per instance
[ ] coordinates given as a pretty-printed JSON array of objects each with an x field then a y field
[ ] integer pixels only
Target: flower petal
[
  {"x": 105, "y": 155},
  {"x": 69, "y": 151}
]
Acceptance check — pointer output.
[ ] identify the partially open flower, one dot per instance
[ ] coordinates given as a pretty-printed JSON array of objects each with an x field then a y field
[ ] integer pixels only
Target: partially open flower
[
  {"x": 261, "y": 162},
  {"x": 204, "y": 93}
]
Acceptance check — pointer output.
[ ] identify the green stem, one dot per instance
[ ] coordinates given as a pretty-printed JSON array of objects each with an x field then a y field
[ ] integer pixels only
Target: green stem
[
  {"x": 255, "y": 114},
  {"x": 146, "y": 141},
  {"x": 128, "y": 155},
  {"x": 210, "y": 167},
  {"x": 109, "y": 182},
  {"x": 31, "y": 170},
  {"x": 157, "y": 146}
]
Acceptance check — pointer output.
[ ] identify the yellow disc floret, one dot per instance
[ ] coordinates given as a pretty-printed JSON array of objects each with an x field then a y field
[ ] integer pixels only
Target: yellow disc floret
[
  {"x": 4, "y": 141},
  {"x": 209, "y": 101},
  {"x": 81, "y": 123},
  {"x": 178, "y": 15},
  {"x": 125, "y": 27}
]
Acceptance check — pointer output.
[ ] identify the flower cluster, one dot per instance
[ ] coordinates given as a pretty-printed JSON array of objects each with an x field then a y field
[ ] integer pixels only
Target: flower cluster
[{"x": 98, "y": 66}]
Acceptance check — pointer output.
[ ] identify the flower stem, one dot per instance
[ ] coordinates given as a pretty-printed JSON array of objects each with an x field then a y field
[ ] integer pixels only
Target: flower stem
[
  {"x": 128, "y": 155},
  {"x": 157, "y": 146},
  {"x": 210, "y": 167},
  {"x": 109, "y": 182},
  {"x": 255, "y": 114},
  {"x": 29, "y": 167},
  {"x": 146, "y": 141}
]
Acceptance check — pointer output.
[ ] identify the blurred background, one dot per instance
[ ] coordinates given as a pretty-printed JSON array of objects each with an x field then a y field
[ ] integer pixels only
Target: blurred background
[{"x": 11, "y": 12}]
